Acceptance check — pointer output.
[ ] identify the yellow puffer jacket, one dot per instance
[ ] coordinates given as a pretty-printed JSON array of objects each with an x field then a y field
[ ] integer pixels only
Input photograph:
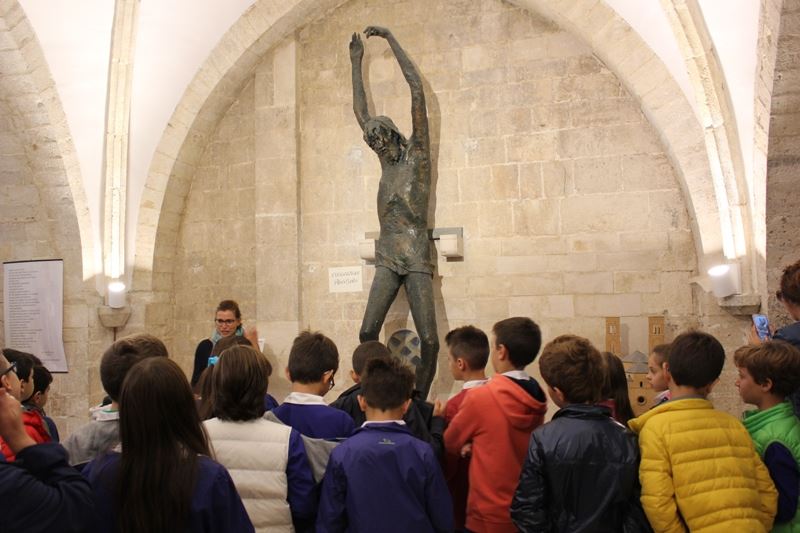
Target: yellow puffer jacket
[{"x": 700, "y": 472}]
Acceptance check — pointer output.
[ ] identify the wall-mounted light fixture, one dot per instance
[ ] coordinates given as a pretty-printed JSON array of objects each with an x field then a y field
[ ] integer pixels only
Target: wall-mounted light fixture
[
  {"x": 115, "y": 296},
  {"x": 115, "y": 313},
  {"x": 725, "y": 280}
]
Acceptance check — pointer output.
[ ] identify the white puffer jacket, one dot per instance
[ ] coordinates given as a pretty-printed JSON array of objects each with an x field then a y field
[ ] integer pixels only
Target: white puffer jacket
[{"x": 256, "y": 454}]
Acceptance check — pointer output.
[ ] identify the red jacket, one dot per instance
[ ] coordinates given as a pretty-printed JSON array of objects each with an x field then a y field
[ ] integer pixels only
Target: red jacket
[
  {"x": 35, "y": 427},
  {"x": 497, "y": 419},
  {"x": 456, "y": 468}
]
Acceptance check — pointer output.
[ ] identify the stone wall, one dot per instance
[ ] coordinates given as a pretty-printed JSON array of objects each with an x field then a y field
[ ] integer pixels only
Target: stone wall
[
  {"x": 215, "y": 257},
  {"x": 783, "y": 165},
  {"x": 35, "y": 223}
]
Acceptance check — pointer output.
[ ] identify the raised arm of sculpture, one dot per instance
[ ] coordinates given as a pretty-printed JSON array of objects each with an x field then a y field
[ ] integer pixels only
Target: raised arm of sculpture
[
  {"x": 419, "y": 112},
  {"x": 359, "y": 96}
]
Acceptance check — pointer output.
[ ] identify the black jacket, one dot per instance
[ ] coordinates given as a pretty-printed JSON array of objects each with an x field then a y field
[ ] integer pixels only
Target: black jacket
[
  {"x": 419, "y": 417},
  {"x": 580, "y": 475}
]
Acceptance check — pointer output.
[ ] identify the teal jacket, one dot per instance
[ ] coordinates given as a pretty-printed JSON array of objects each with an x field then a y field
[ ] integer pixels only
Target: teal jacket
[{"x": 779, "y": 425}]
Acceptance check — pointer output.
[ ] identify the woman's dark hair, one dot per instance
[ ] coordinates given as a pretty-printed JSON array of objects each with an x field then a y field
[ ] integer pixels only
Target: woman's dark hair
[
  {"x": 161, "y": 438},
  {"x": 230, "y": 305},
  {"x": 615, "y": 387},
  {"x": 205, "y": 392},
  {"x": 240, "y": 384}
]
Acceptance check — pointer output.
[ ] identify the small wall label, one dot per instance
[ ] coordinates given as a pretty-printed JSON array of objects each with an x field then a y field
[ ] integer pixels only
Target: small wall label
[{"x": 345, "y": 279}]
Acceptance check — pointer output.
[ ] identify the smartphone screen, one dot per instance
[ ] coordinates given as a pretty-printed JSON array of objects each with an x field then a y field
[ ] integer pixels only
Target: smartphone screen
[{"x": 762, "y": 326}]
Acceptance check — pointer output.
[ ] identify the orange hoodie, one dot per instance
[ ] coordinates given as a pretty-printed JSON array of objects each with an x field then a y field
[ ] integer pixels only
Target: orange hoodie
[{"x": 497, "y": 419}]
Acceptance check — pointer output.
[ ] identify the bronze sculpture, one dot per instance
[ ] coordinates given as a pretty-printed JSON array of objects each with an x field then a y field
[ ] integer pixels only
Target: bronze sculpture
[{"x": 402, "y": 252}]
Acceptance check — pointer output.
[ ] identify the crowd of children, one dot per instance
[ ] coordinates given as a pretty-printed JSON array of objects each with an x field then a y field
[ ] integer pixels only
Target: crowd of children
[{"x": 224, "y": 457}]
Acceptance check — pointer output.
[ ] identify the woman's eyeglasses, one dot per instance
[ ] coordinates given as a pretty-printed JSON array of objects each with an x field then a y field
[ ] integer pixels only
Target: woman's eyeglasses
[
  {"x": 11, "y": 368},
  {"x": 225, "y": 321}
]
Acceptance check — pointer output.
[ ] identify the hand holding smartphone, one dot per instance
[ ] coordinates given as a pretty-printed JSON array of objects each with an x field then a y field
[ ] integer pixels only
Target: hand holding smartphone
[{"x": 761, "y": 323}]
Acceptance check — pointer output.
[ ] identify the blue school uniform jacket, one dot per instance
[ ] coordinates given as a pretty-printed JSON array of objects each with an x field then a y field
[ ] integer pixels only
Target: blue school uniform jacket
[
  {"x": 309, "y": 415},
  {"x": 216, "y": 506},
  {"x": 384, "y": 479}
]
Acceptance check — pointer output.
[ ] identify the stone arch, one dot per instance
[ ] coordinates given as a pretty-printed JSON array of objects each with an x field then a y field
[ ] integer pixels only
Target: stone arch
[
  {"x": 59, "y": 224},
  {"x": 219, "y": 80},
  {"x": 212, "y": 91},
  {"x": 33, "y": 100},
  {"x": 621, "y": 49}
]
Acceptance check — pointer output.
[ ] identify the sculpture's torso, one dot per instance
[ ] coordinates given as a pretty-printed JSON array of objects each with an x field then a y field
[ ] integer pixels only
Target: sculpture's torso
[{"x": 403, "y": 197}]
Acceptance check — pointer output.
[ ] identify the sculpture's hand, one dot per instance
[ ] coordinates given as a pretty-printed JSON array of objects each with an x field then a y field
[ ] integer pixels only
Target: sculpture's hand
[
  {"x": 356, "y": 48},
  {"x": 377, "y": 31}
]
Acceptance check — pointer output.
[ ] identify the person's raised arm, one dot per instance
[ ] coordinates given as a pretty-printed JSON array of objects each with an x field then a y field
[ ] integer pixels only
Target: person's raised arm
[
  {"x": 419, "y": 113},
  {"x": 40, "y": 492},
  {"x": 359, "y": 96}
]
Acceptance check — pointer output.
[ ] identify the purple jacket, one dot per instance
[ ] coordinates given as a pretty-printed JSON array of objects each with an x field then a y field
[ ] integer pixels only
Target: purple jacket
[
  {"x": 316, "y": 421},
  {"x": 216, "y": 506},
  {"x": 384, "y": 479}
]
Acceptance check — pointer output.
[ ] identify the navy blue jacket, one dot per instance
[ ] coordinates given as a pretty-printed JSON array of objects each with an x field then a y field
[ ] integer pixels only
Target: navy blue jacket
[
  {"x": 216, "y": 506},
  {"x": 316, "y": 421},
  {"x": 384, "y": 479},
  {"x": 41, "y": 492},
  {"x": 419, "y": 417},
  {"x": 791, "y": 334}
]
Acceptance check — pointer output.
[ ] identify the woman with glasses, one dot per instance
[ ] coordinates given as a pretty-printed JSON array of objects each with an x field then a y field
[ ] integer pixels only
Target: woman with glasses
[
  {"x": 227, "y": 322},
  {"x": 164, "y": 478}
]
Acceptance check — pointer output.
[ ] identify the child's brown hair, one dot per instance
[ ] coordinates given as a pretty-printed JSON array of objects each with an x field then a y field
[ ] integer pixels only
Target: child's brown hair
[
  {"x": 776, "y": 361},
  {"x": 574, "y": 366},
  {"x": 661, "y": 351}
]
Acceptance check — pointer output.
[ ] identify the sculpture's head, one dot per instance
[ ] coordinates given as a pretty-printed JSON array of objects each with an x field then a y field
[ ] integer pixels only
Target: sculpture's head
[{"x": 384, "y": 138}]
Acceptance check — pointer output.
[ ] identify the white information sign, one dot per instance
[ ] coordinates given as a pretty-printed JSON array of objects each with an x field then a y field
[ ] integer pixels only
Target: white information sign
[
  {"x": 345, "y": 279},
  {"x": 33, "y": 310}
]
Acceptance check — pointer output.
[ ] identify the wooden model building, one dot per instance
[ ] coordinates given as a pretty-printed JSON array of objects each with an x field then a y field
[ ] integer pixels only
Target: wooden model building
[
  {"x": 640, "y": 393},
  {"x": 639, "y": 390}
]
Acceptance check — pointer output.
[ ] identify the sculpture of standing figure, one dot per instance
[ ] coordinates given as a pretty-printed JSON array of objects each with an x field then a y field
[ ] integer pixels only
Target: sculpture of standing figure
[{"x": 402, "y": 252}]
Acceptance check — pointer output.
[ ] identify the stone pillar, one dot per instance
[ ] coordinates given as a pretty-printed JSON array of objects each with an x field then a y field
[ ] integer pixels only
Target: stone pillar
[
  {"x": 783, "y": 164},
  {"x": 277, "y": 209}
]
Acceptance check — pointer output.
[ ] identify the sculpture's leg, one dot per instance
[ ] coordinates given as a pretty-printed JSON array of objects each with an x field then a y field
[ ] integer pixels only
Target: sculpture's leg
[
  {"x": 419, "y": 289},
  {"x": 384, "y": 289}
]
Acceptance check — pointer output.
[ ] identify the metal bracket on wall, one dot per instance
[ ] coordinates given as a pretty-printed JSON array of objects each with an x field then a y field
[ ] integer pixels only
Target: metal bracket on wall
[{"x": 451, "y": 243}]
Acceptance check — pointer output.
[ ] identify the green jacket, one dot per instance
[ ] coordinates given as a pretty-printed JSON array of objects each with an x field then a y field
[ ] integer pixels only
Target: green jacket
[{"x": 776, "y": 424}]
